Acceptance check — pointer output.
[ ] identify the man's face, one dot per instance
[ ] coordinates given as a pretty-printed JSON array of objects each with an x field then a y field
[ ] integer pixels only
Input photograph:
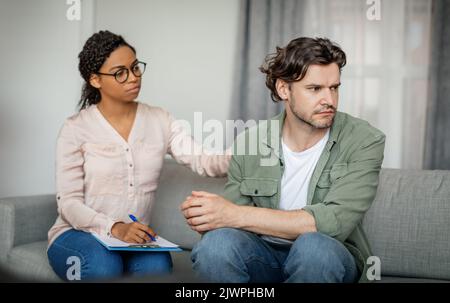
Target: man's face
[{"x": 314, "y": 99}]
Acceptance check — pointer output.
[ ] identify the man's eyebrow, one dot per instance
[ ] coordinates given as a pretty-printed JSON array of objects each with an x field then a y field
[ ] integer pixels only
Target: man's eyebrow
[
  {"x": 123, "y": 66},
  {"x": 320, "y": 85},
  {"x": 314, "y": 85}
]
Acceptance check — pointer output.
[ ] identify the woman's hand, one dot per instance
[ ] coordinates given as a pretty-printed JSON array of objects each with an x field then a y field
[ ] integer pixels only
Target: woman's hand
[{"x": 132, "y": 232}]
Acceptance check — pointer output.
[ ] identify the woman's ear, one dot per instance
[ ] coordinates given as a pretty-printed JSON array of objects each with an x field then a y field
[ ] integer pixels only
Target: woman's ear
[
  {"x": 283, "y": 89},
  {"x": 94, "y": 81}
]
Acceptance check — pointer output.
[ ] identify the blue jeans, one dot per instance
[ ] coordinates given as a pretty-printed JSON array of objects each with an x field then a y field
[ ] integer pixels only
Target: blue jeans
[
  {"x": 96, "y": 262},
  {"x": 237, "y": 256}
]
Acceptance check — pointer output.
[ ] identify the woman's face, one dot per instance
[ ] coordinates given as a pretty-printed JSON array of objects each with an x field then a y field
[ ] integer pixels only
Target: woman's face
[{"x": 121, "y": 59}]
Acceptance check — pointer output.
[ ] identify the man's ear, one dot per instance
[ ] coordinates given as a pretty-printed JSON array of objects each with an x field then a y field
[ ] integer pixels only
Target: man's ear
[
  {"x": 283, "y": 89},
  {"x": 94, "y": 80}
]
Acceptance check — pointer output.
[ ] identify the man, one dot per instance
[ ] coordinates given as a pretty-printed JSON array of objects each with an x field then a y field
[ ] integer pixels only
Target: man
[{"x": 298, "y": 218}]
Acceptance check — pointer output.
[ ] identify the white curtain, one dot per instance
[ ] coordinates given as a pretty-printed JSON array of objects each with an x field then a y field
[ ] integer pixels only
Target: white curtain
[{"x": 385, "y": 80}]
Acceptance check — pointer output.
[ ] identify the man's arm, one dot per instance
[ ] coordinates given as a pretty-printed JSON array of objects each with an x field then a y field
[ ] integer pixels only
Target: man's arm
[{"x": 205, "y": 211}]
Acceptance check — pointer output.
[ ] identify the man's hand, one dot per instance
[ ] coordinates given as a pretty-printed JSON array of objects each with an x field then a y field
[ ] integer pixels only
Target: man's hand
[
  {"x": 132, "y": 232},
  {"x": 205, "y": 211}
]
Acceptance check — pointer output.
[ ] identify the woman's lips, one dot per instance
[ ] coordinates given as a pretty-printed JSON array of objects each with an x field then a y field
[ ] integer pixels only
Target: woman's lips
[{"x": 133, "y": 90}]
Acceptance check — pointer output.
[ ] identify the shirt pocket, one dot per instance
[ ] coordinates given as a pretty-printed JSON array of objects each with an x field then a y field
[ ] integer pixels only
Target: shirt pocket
[
  {"x": 261, "y": 191},
  {"x": 324, "y": 181},
  {"x": 149, "y": 159},
  {"x": 329, "y": 176},
  {"x": 322, "y": 187},
  {"x": 103, "y": 159},
  {"x": 104, "y": 169},
  {"x": 338, "y": 171}
]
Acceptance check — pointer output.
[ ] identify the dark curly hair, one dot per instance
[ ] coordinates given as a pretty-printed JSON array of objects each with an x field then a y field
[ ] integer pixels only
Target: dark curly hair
[
  {"x": 95, "y": 52},
  {"x": 292, "y": 62}
]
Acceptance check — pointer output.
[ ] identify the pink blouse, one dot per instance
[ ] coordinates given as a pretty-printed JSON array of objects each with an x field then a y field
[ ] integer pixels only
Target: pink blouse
[{"x": 101, "y": 178}]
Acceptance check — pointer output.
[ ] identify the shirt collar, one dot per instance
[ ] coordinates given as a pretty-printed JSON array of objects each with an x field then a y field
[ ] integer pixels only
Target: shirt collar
[{"x": 275, "y": 128}]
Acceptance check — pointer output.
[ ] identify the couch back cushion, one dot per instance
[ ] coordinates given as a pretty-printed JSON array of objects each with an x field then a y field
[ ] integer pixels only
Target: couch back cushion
[
  {"x": 408, "y": 223},
  {"x": 29, "y": 217},
  {"x": 175, "y": 184}
]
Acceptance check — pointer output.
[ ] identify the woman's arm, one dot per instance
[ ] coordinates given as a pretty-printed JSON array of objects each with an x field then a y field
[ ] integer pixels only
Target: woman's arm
[
  {"x": 70, "y": 186},
  {"x": 186, "y": 151}
]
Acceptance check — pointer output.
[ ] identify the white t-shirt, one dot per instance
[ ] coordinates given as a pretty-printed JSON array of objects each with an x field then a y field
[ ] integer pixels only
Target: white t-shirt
[{"x": 298, "y": 169}]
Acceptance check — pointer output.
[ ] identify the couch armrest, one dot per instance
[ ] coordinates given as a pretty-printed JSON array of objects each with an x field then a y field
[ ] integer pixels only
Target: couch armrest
[{"x": 25, "y": 220}]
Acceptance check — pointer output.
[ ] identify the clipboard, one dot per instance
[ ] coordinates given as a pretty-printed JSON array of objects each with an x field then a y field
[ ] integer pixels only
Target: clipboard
[{"x": 114, "y": 244}]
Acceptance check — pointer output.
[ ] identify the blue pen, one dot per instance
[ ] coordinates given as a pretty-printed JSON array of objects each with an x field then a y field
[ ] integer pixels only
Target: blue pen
[{"x": 136, "y": 220}]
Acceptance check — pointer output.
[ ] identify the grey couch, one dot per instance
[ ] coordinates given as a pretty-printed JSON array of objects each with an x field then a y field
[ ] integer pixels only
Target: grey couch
[{"x": 407, "y": 226}]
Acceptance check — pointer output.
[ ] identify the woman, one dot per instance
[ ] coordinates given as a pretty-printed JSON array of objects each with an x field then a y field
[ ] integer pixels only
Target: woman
[{"x": 109, "y": 157}]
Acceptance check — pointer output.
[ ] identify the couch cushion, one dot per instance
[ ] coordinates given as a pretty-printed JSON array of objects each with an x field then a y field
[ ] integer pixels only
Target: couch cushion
[
  {"x": 176, "y": 183},
  {"x": 408, "y": 224},
  {"x": 389, "y": 279},
  {"x": 29, "y": 262}
]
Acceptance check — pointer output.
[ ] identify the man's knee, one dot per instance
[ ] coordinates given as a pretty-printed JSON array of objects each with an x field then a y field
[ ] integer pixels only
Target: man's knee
[
  {"x": 218, "y": 256},
  {"x": 318, "y": 253},
  {"x": 217, "y": 244},
  {"x": 316, "y": 247}
]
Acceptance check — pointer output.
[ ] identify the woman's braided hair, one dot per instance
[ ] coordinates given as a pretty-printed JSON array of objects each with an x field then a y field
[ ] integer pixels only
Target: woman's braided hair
[{"x": 95, "y": 52}]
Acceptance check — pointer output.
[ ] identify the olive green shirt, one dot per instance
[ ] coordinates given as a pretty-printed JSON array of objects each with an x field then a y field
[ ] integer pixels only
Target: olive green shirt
[{"x": 341, "y": 189}]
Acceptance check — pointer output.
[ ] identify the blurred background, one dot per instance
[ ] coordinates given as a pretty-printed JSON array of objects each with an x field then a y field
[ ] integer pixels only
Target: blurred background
[{"x": 203, "y": 56}]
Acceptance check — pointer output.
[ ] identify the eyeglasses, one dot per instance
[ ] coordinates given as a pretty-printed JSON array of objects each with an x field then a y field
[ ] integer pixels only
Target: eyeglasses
[{"x": 122, "y": 74}]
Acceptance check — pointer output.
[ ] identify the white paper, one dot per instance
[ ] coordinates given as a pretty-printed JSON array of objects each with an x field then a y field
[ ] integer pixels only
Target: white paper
[{"x": 113, "y": 242}]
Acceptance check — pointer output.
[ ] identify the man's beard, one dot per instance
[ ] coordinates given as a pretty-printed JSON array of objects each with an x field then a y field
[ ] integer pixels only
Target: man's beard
[{"x": 319, "y": 124}]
